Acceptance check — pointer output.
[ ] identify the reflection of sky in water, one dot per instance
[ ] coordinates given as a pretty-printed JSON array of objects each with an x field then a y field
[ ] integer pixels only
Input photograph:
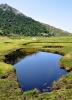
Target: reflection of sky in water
[{"x": 38, "y": 70}]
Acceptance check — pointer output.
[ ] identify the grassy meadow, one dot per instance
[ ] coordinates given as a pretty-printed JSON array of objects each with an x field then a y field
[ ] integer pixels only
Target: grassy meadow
[{"x": 13, "y": 47}]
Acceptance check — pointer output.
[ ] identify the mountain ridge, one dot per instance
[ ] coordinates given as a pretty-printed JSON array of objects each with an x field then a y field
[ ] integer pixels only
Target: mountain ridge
[{"x": 13, "y": 22}]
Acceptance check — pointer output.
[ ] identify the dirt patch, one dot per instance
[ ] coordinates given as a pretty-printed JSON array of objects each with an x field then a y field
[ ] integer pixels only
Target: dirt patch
[{"x": 12, "y": 76}]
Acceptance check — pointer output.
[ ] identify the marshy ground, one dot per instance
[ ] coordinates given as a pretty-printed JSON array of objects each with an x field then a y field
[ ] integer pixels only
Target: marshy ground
[{"x": 12, "y": 49}]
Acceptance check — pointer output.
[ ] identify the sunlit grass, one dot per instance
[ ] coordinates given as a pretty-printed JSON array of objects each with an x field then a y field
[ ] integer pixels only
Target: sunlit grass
[{"x": 61, "y": 45}]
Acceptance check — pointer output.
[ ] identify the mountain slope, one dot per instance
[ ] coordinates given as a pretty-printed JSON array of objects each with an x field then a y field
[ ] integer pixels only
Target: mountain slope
[{"x": 14, "y": 22}]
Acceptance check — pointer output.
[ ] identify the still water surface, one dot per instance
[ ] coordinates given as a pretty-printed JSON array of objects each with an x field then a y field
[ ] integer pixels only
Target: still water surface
[{"x": 38, "y": 70}]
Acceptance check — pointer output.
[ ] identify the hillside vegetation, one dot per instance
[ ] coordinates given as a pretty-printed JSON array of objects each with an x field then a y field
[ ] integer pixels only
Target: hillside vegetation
[{"x": 13, "y": 22}]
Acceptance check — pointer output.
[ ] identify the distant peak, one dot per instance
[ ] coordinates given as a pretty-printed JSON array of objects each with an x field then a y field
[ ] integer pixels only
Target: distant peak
[{"x": 6, "y": 7}]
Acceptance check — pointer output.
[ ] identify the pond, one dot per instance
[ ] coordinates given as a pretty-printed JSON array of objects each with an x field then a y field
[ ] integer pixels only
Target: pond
[{"x": 39, "y": 70}]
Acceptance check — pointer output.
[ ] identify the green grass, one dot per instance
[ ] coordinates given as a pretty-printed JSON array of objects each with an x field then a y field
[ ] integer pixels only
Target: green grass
[
  {"x": 62, "y": 89},
  {"x": 66, "y": 61},
  {"x": 9, "y": 90},
  {"x": 5, "y": 69}
]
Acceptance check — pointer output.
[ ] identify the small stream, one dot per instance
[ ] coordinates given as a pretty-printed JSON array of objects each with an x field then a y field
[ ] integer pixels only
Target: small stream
[{"x": 39, "y": 70}]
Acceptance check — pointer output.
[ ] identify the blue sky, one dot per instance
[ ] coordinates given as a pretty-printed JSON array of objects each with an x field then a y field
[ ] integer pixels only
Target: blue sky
[{"x": 57, "y": 13}]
